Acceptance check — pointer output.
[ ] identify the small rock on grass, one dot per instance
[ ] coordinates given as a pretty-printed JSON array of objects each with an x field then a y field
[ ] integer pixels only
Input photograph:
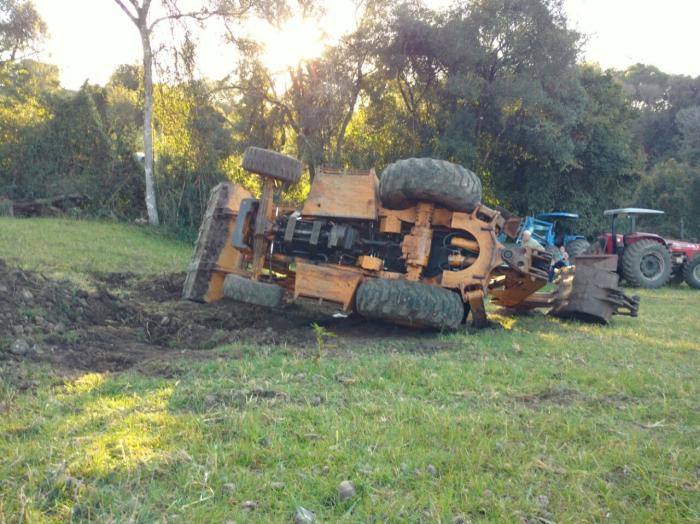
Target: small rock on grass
[
  {"x": 542, "y": 501},
  {"x": 487, "y": 493},
  {"x": 432, "y": 470},
  {"x": 249, "y": 505},
  {"x": 277, "y": 485},
  {"x": 304, "y": 516},
  {"x": 19, "y": 347},
  {"x": 346, "y": 490}
]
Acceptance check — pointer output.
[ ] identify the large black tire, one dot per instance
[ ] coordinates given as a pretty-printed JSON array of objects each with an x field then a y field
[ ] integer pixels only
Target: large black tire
[
  {"x": 412, "y": 303},
  {"x": 691, "y": 272},
  {"x": 252, "y": 292},
  {"x": 412, "y": 180},
  {"x": 596, "y": 248},
  {"x": 577, "y": 247},
  {"x": 270, "y": 163},
  {"x": 646, "y": 263}
]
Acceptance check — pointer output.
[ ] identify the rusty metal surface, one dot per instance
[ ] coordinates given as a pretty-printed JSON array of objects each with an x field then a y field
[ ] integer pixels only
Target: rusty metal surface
[
  {"x": 589, "y": 292},
  {"x": 342, "y": 193},
  {"x": 214, "y": 256},
  {"x": 604, "y": 262}
]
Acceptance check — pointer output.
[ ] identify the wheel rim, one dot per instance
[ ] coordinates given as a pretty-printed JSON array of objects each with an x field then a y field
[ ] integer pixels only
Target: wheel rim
[
  {"x": 696, "y": 272},
  {"x": 651, "y": 265}
]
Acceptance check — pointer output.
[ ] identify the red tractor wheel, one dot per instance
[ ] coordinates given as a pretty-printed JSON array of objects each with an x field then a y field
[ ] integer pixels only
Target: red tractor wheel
[
  {"x": 646, "y": 263},
  {"x": 691, "y": 272}
]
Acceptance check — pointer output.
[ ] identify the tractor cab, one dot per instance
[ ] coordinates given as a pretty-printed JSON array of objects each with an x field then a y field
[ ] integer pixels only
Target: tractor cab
[
  {"x": 562, "y": 227},
  {"x": 623, "y": 229},
  {"x": 553, "y": 230}
]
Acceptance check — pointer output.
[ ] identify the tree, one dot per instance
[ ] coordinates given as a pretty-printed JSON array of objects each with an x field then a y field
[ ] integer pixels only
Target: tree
[
  {"x": 317, "y": 107},
  {"x": 21, "y": 28},
  {"x": 673, "y": 187},
  {"x": 688, "y": 124},
  {"x": 139, "y": 12},
  {"x": 66, "y": 152}
]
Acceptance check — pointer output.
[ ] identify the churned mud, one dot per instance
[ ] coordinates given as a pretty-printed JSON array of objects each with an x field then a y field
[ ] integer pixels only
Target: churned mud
[{"x": 120, "y": 320}]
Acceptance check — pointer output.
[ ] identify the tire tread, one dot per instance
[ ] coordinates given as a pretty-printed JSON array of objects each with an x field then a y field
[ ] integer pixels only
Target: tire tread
[
  {"x": 431, "y": 180},
  {"x": 632, "y": 257},
  {"x": 410, "y": 302}
]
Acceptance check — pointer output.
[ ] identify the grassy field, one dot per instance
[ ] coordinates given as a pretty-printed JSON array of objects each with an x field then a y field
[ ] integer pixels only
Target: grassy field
[
  {"x": 66, "y": 247},
  {"x": 540, "y": 421}
]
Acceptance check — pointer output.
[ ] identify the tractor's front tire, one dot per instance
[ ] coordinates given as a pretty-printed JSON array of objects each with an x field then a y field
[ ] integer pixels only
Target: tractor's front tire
[
  {"x": 410, "y": 303},
  {"x": 577, "y": 247},
  {"x": 691, "y": 272},
  {"x": 647, "y": 264},
  {"x": 412, "y": 180}
]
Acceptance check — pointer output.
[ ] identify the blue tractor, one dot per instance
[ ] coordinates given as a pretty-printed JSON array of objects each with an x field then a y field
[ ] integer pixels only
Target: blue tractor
[{"x": 555, "y": 229}]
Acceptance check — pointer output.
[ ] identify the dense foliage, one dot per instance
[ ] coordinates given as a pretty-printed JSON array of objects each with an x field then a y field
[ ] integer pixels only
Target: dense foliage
[{"x": 495, "y": 85}]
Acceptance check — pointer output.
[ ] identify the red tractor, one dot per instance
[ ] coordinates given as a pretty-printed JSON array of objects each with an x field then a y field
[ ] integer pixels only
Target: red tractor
[{"x": 647, "y": 259}]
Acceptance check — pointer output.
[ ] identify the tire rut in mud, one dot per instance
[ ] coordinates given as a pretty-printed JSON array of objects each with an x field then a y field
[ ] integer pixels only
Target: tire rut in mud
[{"x": 120, "y": 320}]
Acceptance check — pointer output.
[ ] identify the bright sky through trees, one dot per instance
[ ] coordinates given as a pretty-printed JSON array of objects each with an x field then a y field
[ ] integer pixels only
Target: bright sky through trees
[{"x": 88, "y": 38}]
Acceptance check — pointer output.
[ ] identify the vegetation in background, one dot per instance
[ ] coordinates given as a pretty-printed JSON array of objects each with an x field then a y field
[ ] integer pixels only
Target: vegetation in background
[{"x": 495, "y": 85}]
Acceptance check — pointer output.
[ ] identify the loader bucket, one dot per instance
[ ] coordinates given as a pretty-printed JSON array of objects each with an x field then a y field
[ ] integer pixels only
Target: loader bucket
[{"x": 589, "y": 291}]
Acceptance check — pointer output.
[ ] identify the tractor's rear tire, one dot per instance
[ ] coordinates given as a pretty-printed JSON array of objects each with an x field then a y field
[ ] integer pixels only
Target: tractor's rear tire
[
  {"x": 410, "y": 303},
  {"x": 596, "y": 248},
  {"x": 577, "y": 247},
  {"x": 270, "y": 163},
  {"x": 646, "y": 263},
  {"x": 691, "y": 272},
  {"x": 412, "y": 180},
  {"x": 249, "y": 291}
]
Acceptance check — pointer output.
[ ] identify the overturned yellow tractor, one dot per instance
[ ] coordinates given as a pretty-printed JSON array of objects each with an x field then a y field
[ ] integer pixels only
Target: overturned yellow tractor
[{"x": 414, "y": 247}]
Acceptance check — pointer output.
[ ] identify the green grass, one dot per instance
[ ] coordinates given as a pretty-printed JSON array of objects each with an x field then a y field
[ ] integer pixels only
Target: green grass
[
  {"x": 542, "y": 421},
  {"x": 74, "y": 247}
]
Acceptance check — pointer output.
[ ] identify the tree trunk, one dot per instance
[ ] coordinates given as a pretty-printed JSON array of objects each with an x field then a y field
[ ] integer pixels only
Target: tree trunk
[{"x": 151, "y": 207}]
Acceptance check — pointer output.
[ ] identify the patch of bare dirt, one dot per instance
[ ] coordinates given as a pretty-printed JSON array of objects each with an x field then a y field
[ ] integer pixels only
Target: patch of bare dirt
[
  {"x": 558, "y": 396},
  {"x": 126, "y": 319}
]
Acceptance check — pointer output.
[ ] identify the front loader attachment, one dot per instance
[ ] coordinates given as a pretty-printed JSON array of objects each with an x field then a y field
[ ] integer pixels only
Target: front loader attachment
[{"x": 589, "y": 291}]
